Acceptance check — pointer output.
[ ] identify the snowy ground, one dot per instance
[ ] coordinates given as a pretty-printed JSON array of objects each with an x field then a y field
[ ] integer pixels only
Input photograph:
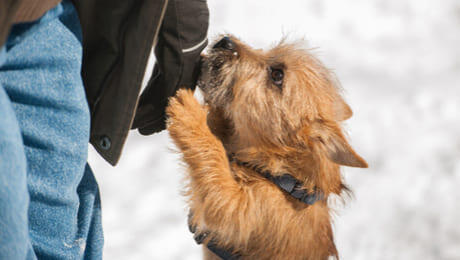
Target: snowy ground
[{"x": 399, "y": 63}]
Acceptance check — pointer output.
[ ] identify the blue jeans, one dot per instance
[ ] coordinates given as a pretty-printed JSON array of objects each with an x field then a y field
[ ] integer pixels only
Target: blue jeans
[{"x": 49, "y": 199}]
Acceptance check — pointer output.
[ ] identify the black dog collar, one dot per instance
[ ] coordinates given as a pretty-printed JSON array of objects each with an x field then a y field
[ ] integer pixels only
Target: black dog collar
[{"x": 287, "y": 183}]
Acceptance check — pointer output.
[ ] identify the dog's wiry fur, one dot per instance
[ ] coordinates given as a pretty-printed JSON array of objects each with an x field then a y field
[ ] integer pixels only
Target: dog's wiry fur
[{"x": 294, "y": 128}]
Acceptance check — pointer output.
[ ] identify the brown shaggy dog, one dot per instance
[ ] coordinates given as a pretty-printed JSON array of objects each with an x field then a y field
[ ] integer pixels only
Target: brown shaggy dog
[{"x": 276, "y": 111}]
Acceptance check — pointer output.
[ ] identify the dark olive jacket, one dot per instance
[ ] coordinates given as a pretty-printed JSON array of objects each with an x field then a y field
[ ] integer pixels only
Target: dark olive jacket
[{"x": 118, "y": 36}]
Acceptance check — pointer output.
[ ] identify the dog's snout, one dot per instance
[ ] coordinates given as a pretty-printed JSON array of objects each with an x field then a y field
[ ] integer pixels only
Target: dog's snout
[{"x": 226, "y": 43}]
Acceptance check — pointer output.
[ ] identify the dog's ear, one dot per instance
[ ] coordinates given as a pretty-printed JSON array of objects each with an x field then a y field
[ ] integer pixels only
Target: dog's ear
[
  {"x": 341, "y": 109},
  {"x": 329, "y": 138}
]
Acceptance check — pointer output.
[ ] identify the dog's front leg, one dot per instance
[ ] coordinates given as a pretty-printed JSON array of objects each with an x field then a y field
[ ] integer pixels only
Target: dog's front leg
[
  {"x": 212, "y": 187},
  {"x": 202, "y": 151}
]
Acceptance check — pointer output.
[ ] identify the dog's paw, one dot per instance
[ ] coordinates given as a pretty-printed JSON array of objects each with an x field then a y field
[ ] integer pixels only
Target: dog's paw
[
  {"x": 200, "y": 234},
  {"x": 184, "y": 111}
]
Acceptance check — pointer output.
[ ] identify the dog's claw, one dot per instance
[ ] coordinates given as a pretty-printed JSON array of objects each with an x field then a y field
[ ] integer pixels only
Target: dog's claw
[
  {"x": 200, "y": 237},
  {"x": 191, "y": 226}
]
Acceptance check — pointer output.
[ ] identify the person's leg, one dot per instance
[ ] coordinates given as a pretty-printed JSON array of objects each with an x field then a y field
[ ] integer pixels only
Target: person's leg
[
  {"x": 14, "y": 197},
  {"x": 41, "y": 76},
  {"x": 90, "y": 215}
]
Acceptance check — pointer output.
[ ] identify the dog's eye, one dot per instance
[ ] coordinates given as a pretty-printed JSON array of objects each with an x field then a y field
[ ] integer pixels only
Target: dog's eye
[{"x": 277, "y": 76}]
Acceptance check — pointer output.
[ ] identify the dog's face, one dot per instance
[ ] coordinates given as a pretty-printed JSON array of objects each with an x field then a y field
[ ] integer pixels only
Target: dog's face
[{"x": 283, "y": 96}]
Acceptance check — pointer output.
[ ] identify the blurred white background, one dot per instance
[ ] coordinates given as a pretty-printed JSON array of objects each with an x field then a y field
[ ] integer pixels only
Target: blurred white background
[{"x": 399, "y": 63}]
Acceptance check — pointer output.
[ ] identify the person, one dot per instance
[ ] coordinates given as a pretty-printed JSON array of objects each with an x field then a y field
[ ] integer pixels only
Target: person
[{"x": 71, "y": 72}]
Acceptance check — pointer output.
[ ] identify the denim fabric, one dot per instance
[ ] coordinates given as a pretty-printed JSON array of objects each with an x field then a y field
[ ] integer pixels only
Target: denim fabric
[{"x": 49, "y": 199}]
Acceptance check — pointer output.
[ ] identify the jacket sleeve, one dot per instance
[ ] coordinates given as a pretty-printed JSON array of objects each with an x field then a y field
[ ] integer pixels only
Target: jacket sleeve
[{"x": 181, "y": 39}]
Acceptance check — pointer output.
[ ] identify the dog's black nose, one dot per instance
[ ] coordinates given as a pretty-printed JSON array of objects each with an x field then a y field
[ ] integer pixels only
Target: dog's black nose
[{"x": 225, "y": 43}]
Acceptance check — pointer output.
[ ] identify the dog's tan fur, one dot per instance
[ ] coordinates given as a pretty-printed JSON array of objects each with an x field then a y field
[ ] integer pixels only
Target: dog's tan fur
[{"x": 293, "y": 129}]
